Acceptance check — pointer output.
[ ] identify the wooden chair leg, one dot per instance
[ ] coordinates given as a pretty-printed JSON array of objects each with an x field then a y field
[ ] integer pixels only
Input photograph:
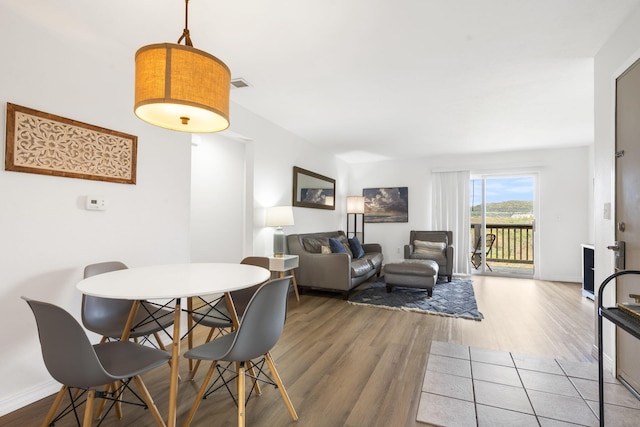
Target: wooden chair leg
[
  {"x": 54, "y": 406},
  {"x": 149, "y": 401},
  {"x": 88, "y": 410},
  {"x": 109, "y": 388},
  {"x": 100, "y": 407},
  {"x": 159, "y": 341},
  {"x": 203, "y": 389},
  {"x": 283, "y": 391},
  {"x": 241, "y": 393},
  {"x": 119, "y": 413}
]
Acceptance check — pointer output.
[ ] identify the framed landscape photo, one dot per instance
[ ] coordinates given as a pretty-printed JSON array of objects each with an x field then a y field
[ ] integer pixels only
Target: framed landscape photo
[
  {"x": 42, "y": 143},
  {"x": 390, "y": 204}
]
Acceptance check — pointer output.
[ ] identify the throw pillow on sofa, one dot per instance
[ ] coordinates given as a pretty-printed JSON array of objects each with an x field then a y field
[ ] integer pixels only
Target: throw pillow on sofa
[
  {"x": 336, "y": 246},
  {"x": 343, "y": 239},
  {"x": 356, "y": 247},
  {"x": 430, "y": 250}
]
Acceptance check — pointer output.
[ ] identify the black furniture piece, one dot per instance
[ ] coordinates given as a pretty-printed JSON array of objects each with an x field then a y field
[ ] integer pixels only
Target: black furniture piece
[
  {"x": 476, "y": 255},
  {"x": 588, "y": 265},
  {"x": 628, "y": 322}
]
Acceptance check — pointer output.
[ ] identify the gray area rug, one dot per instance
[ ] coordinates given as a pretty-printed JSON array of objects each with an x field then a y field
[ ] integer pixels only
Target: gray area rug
[{"x": 453, "y": 299}]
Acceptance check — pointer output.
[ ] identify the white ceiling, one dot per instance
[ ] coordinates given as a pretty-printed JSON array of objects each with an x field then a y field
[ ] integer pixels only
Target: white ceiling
[{"x": 382, "y": 78}]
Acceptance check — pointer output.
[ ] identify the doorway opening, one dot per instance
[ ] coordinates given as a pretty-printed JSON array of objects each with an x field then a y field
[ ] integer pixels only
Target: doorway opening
[{"x": 502, "y": 225}]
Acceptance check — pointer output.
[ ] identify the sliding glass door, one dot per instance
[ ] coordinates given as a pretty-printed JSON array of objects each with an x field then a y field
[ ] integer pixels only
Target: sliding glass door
[{"x": 502, "y": 224}]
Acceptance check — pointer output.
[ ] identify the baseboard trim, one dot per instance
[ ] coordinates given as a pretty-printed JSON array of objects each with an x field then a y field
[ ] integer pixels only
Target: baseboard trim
[
  {"x": 40, "y": 391},
  {"x": 28, "y": 396},
  {"x": 607, "y": 362}
]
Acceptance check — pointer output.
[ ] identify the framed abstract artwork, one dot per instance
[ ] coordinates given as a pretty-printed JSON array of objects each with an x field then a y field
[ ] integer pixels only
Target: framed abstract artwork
[
  {"x": 42, "y": 143},
  {"x": 390, "y": 204}
]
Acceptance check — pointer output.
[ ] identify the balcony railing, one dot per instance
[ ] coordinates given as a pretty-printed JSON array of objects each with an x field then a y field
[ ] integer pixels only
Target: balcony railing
[{"x": 514, "y": 242}]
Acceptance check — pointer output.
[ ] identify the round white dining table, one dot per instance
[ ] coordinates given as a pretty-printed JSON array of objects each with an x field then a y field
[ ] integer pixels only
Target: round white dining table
[{"x": 173, "y": 281}]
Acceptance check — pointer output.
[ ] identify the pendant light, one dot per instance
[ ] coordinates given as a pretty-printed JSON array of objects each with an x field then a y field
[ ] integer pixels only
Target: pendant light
[{"x": 182, "y": 88}]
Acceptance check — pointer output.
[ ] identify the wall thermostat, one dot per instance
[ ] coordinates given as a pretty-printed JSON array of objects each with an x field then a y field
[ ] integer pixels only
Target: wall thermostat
[{"x": 95, "y": 203}]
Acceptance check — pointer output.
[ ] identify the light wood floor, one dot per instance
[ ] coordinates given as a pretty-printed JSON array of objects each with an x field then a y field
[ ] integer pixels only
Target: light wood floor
[{"x": 346, "y": 365}]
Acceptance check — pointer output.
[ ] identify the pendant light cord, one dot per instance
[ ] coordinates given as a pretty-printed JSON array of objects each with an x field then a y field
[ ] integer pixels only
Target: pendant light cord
[{"x": 185, "y": 33}]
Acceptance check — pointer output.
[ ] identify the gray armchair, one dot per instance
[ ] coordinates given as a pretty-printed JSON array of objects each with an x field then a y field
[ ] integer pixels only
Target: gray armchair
[{"x": 433, "y": 245}]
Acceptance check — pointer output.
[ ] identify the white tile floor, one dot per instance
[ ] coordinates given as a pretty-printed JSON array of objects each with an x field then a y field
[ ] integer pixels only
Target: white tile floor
[{"x": 468, "y": 386}]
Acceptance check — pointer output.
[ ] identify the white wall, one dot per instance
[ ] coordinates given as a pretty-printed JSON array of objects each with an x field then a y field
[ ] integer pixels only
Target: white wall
[
  {"x": 564, "y": 204},
  {"x": 620, "y": 52},
  {"x": 217, "y": 228},
  {"x": 274, "y": 151},
  {"x": 252, "y": 165},
  {"x": 47, "y": 236}
]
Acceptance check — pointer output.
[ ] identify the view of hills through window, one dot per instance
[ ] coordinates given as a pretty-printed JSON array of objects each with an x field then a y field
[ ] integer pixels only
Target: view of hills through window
[
  {"x": 509, "y": 200},
  {"x": 509, "y": 222}
]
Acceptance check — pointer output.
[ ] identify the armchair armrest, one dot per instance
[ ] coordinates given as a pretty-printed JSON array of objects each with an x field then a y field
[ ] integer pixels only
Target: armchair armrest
[
  {"x": 408, "y": 251},
  {"x": 372, "y": 247},
  {"x": 449, "y": 251}
]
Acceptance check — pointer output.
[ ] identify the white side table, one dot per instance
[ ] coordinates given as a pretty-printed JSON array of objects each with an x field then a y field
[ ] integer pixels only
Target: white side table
[{"x": 283, "y": 264}]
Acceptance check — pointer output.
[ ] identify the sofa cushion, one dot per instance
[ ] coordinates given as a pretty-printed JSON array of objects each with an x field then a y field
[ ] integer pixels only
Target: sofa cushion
[
  {"x": 360, "y": 267},
  {"x": 325, "y": 249},
  {"x": 336, "y": 246},
  {"x": 429, "y": 250},
  {"x": 356, "y": 247},
  {"x": 315, "y": 244},
  {"x": 374, "y": 259}
]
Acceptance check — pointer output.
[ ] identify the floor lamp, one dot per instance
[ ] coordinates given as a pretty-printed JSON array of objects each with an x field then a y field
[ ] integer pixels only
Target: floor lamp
[
  {"x": 355, "y": 207},
  {"x": 278, "y": 217}
]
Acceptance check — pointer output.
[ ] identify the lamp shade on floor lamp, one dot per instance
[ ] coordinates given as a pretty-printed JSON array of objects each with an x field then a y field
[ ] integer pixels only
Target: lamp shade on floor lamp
[{"x": 355, "y": 207}]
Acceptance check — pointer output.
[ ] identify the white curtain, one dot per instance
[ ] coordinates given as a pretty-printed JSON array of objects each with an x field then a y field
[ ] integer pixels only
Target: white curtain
[{"x": 450, "y": 192}]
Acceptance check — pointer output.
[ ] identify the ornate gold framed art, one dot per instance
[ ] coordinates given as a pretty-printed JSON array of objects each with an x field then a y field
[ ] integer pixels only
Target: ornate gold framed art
[{"x": 43, "y": 143}]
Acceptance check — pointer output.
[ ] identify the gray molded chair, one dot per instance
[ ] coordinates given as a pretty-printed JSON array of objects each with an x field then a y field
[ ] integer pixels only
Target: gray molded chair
[
  {"x": 217, "y": 316},
  {"x": 220, "y": 317},
  {"x": 73, "y": 361},
  {"x": 260, "y": 328},
  {"x": 107, "y": 316}
]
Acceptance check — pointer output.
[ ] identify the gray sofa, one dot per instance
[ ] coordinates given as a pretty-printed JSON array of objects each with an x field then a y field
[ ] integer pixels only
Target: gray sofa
[{"x": 338, "y": 272}]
